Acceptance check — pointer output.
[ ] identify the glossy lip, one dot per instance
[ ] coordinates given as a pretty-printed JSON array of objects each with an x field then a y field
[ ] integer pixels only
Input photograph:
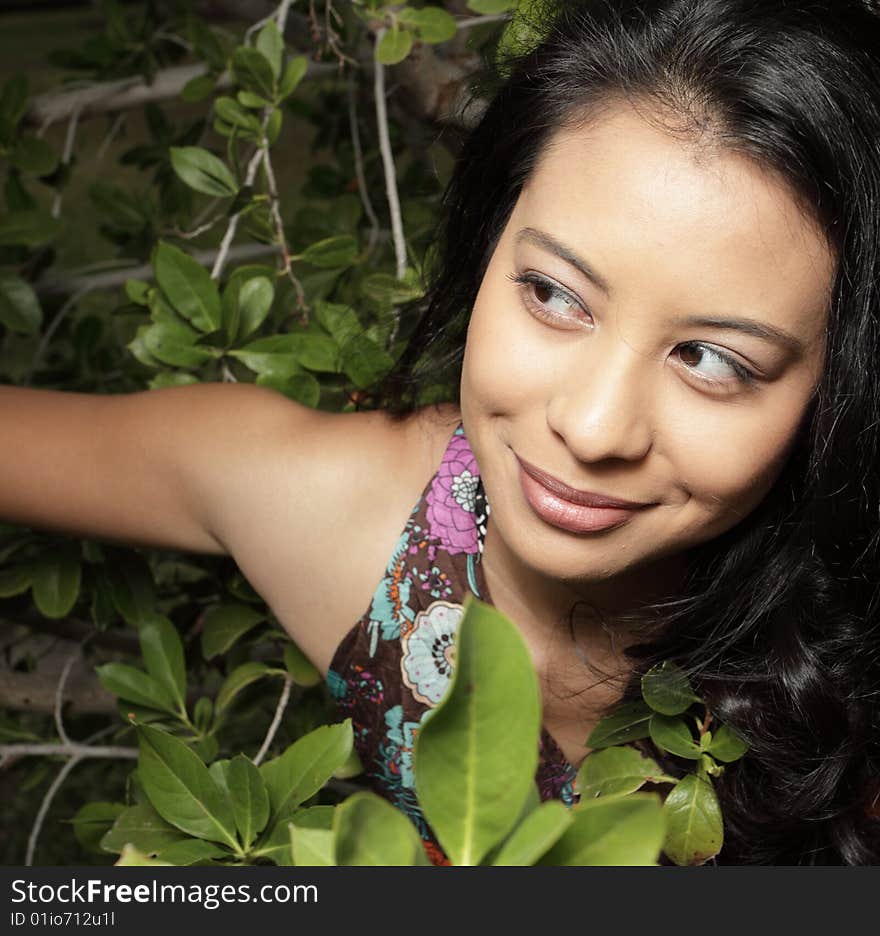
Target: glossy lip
[{"x": 573, "y": 495}]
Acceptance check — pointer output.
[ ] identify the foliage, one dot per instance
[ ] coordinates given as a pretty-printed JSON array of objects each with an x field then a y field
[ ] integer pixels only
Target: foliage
[{"x": 245, "y": 273}]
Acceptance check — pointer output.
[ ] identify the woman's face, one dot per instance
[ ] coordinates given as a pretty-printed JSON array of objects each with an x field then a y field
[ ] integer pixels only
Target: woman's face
[{"x": 608, "y": 365}]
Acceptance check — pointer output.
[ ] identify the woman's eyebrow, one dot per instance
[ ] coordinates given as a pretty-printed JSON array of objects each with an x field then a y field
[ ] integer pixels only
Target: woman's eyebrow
[
  {"x": 548, "y": 242},
  {"x": 747, "y": 326}
]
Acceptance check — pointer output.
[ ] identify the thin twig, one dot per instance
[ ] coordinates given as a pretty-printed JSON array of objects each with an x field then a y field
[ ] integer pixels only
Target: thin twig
[
  {"x": 472, "y": 21},
  {"x": 363, "y": 191},
  {"x": 44, "y": 808},
  {"x": 232, "y": 227},
  {"x": 59, "y": 696},
  {"x": 73, "y": 749},
  {"x": 275, "y": 210},
  {"x": 69, "y": 140},
  {"x": 388, "y": 164},
  {"x": 115, "y": 127},
  {"x": 276, "y": 721}
]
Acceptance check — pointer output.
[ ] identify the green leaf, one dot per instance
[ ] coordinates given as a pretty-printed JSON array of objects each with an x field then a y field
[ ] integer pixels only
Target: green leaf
[
  {"x": 27, "y": 228},
  {"x": 491, "y": 7},
  {"x": 294, "y": 73},
  {"x": 394, "y": 46},
  {"x": 142, "y": 827},
  {"x": 727, "y": 746},
  {"x": 304, "y": 388},
  {"x": 13, "y": 100},
  {"x": 249, "y": 797},
  {"x": 254, "y": 302},
  {"x": 694, "y": 828},
  {"x": 191, "y": 851},
  {"x": 364, "y": 361},
  {"x": 432, "y": 24},
  {"x": 137, "y": 291},
  {"x": 203, "y": 171},
  {"x": 316, "y": 352},
  {"x": 617, "y": 770},
  {"x": 132, "y": 588},
  {"x": 340, "y": 321},
  {"x": 187, "y": 286},
  {"x": 387, "y": 289},
  {"x": 300, "y": 667},
  {"x": 538, "y": 832},
  {"x": 626, "y": 831},
  {"x": 197, "y": 89},
  {"x": 93, "y": 821},
  {"x": 271, "y": 44},
  {"x": 253, "y": 71},
  {"x": 272, "y": 356},
  {"x": 162, "y": 650},
  {"x": 230, "y": 111},
  {"x": 486, "y": 727},
  {"x": 628, "y": 723},
  {"x": 173, "y": 343},
  {"x": 235, "y": 326},
  {"x": 181, "y": 789},
  {"x": 239, "y": 679},
  {"x": 667, "y": 690},
  {"x": 134, "y": 685},
  {"x": 225, "y": 624},
  {"x": 312, "y": 848},
  {"x": 132, "y": 858},
  {"x": 370, "y": 831},
  {"x": 15, "y": 580},
  {"x": 306, "y": 766},
  {"x": 19, "y": 307},
  {"x": 332, "y": 252},
  {"x": 34, "y": 156},
  {"x": 673, "y": 735},
  {"x": 55, "y": 581}
]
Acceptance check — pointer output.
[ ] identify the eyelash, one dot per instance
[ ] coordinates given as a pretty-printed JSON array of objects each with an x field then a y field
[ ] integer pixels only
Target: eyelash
[{"x": 524, "y": 280}]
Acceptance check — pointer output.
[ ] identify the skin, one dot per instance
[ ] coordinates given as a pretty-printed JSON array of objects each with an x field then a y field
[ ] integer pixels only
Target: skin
[{"x": 605, "y": 397}]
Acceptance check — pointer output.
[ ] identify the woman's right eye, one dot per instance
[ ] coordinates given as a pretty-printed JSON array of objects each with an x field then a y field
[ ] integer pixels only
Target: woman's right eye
[{"x": 546, "y": 299}]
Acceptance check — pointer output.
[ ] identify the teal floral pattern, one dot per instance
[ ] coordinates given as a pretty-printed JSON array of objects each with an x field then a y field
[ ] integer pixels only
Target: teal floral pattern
[{"x": 394, "y": 666}]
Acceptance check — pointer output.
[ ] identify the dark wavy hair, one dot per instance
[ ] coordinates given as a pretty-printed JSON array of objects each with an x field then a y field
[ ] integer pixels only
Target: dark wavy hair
[{"x": 778, "y": 623}]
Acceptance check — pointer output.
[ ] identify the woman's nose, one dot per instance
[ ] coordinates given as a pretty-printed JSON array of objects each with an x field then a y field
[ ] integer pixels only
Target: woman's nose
[{"x": 602, "y": 405}]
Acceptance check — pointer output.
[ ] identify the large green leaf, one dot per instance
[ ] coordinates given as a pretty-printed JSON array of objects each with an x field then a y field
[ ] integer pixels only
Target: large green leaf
[
  {"x": 191, "y": 851},
  {"x": 370, "y": 831},
  {"x": 486, "y": 727},
  {"x": 306, "y": 766},
  {"x": 300, "y": 667},
  {"x": 224, "y": 624},
  {"x": 93, "y": 821},
  {"x": 162, "y": 650},
  {"x": 667, "y": 690},
  {"x": 535, "y": 835},
  {"x": 203, "y": 171},
  {"x": 19, "y": 308},
  {"x": 629, "y": 723},
  {"x": 620, "y": 831},
  {"x": 55, "y": 580},
  {"x": 303, "y": 388},
  {"x": 253, "y": 71},
  {"x": 694, "y": 827},
  {"x": 142, "y": 827},
  {"x": 432, "y": 24},
  {"x": 332, "y": 252},
  {"x": 133, "y": 685},
  {"x": 181, "y": 789},
  {"x": 276, "y": 844},
  {"x": 272, "y": 356},
  {"x": 313, "y": 848},
  {"x": 364, "y": 361},
  {"x": 491, "y": 7},
  {"x": 254, "y": 302},
  {"x": 131, "y": 587},
  {"x": 271, "y": 44},
  {"x": 187, "y": 286},
  {"x": 250, "y": 800},
  {"x": 173, "y": 343},
  {"x": 617, "y": 770}
]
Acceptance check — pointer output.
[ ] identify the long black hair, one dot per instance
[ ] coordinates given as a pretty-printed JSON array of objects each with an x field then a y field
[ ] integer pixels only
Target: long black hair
[{"x": 778, "y": 624}]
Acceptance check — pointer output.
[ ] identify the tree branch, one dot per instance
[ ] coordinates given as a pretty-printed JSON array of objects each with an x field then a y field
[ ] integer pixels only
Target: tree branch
[
  {"x": 44, "y": 808},
  {"x": 276, "y": 721},
  {"x": 388, "y": 164}
]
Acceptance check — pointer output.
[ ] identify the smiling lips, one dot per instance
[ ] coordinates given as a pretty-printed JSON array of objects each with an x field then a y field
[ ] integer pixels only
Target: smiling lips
[{"x": 569, "y": 508}]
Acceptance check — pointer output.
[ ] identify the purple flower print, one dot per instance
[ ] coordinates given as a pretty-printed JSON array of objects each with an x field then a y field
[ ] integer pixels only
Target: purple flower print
[{"x": 451, "y": 498}]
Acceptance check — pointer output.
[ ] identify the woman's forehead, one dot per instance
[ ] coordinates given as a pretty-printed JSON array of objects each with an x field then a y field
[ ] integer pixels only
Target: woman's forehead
[{"x": 648, "y": 212}]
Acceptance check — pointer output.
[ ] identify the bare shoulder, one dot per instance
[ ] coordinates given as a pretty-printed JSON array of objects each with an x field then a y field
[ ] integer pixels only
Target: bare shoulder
[{"x": 327, "y": 498}]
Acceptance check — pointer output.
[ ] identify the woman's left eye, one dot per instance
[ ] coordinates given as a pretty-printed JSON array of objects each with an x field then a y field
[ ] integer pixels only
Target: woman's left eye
[{"x": 545, "y": 298}]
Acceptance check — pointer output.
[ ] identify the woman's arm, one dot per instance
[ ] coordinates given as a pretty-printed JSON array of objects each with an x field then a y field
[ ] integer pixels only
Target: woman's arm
[{"x": 150, "y": 468}]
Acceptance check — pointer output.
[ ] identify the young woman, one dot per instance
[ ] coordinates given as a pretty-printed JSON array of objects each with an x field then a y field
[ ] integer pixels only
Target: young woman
[{"x": 658, "y": 281}]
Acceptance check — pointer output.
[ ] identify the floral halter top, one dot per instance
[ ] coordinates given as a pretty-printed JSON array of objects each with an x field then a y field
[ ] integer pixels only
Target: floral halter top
[{"x": 393, "y": 666}]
